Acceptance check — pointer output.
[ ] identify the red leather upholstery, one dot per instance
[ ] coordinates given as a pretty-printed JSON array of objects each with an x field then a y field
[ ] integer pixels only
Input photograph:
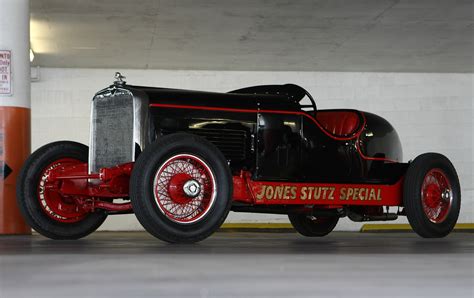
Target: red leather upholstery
[{"x": 338, "y": 123}]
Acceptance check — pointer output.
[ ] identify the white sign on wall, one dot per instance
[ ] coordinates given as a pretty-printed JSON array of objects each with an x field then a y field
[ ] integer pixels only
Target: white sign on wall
[{"x": 5, "y": 72}]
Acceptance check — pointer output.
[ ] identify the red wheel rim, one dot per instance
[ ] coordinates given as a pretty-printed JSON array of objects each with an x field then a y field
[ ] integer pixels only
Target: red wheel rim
[
  {"x": 55, "y": 206},
  {"x": 436, "y": 195},
  {"x": 184, "y": 188}
]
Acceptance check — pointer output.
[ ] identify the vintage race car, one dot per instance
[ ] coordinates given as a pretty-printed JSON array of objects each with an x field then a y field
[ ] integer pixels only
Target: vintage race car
[{"x": 181, "y": 160}]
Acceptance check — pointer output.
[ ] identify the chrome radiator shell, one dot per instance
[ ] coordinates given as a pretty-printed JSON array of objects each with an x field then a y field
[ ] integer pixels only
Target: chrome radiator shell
[{"x": 118, "y": 128}]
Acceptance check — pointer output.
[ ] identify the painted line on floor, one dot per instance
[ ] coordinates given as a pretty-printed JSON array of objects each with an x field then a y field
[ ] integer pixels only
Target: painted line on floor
[
  {"x": 366, "y": 228},
  {"x": 257, "y": 226},
  {"x": 462, "y": 227}
]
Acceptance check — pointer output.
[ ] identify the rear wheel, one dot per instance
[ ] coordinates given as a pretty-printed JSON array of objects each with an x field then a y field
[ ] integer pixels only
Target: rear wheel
[
  {"x": 181, "y": 188},
  {"x": 311, "y": 226},
  {"x": 432, "y": 195},
  {"x": 44, "y": 208}
]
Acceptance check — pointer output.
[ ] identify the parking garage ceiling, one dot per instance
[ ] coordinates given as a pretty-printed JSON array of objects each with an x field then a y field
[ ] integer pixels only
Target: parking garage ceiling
[{"x": 344, "y": 35}]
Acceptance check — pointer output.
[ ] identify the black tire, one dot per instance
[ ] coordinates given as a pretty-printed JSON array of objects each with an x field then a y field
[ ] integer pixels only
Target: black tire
[
  {"x": 145, "y": 205},
  {"x": 27, "y": 193},
  {"x": 313, "y": 227},
  {"x": 412, "y": 196}
]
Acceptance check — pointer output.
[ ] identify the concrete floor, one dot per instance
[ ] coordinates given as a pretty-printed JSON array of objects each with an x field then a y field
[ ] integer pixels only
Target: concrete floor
[{"x": 238, "y": 265}]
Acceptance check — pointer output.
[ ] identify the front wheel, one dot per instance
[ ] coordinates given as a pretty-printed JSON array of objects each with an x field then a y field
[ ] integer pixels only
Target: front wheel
[
  {"x": 311, "y": 226},
  {"x": 181, "y": 188},
  {"x": 432, "y": 195},
  {"x": 41, "y": 203}
]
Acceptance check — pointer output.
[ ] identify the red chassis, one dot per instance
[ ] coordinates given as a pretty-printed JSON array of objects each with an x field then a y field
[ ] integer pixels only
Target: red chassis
[
  {"x": 92, "y": 191},
  {"x": 97, "y": 190}
]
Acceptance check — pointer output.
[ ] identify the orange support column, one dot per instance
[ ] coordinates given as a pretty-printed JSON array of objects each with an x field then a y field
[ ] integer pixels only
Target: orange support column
[
  {"x": 15, "y": 135},
  {"x": 14, "y": 149}
]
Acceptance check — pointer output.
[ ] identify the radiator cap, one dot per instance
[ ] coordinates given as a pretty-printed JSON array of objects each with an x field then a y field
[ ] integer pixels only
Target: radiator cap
[{"x": 119, "y": 79}]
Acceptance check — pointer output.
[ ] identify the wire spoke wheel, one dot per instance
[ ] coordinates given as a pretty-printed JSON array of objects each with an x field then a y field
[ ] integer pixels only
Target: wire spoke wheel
[
  {"x": 184, "y": 188},
  {"x": 436, "y": 195},
  {"x": 40, "y": 200},
  {"x": 431, "y": 195},
  {"x": 181, "y": 188},
  {"x": 54, "y": 205}
]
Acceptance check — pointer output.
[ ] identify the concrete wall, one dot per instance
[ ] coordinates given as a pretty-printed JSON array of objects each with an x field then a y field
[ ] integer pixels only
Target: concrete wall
[{"x": 432, "y": 112}]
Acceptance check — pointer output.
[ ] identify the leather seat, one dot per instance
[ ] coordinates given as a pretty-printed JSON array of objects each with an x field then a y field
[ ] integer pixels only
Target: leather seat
[{"x": 338, "y": 123}]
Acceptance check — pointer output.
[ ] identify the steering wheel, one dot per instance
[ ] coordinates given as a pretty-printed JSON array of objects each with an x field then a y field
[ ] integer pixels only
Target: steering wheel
[
  {"x": 304, "y": 92},
  {"x": 313, "y": 103}
]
